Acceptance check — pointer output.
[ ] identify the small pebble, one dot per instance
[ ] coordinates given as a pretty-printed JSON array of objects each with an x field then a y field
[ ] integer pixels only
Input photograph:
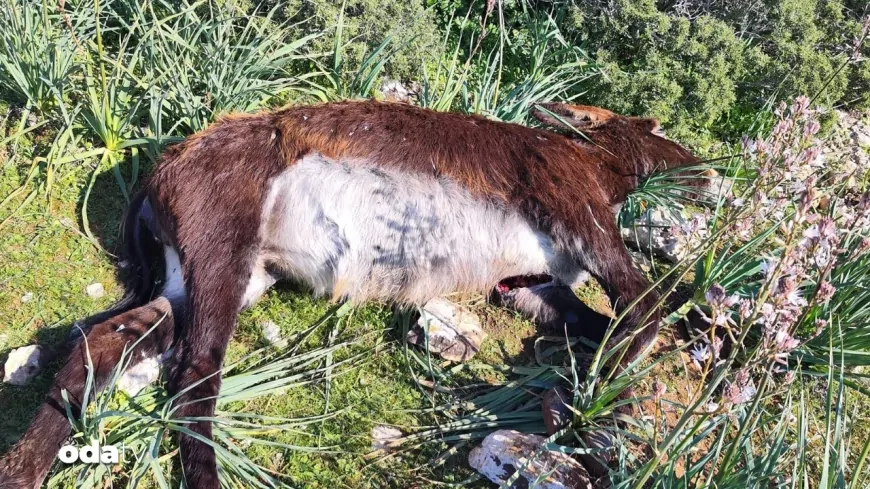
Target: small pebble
[
  {"x": 22, "y": 365},
  {"x": 95, "y": 290},
  {"x": 27, "y": 297},
  {"x": 272, "y": 333},
  {"x": 454, "y": 332},
  {"x": 383, "y": 436}
]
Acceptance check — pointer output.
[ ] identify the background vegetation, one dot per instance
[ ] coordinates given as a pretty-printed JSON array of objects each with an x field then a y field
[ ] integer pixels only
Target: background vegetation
[{"x": 93, "y": 90}]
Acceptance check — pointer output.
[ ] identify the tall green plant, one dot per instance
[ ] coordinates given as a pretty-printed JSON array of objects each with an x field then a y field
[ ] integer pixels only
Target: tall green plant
[
  {"x": 210, "y": 65},
  {"x": 40, "y": 53}
]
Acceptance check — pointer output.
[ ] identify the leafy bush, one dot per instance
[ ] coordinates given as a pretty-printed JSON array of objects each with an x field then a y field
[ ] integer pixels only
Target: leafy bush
[
  {"x": 701, "y": 66},
  {"x": 37, "y": 53},
  {"x": 409, "y": 24}
]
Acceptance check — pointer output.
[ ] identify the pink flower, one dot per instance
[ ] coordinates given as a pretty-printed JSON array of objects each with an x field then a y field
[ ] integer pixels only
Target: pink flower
[
  {"x": 745, "y": 308},
  {"x": 700, "y": 354},
  {"x": 768, "y": 266},
  {"x": 785, "y": 343},
  {"x": 718, "y": 299},
  {"x": 801, "y": 105},
  {"x": 738, "y": 395},
  {"x": 659, "y": 389},
  {"x": 742, "y": 376},
  {"x": 826, "y": 292}
]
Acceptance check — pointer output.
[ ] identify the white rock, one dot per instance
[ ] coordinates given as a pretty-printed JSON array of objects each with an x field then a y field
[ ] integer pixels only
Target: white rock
[
  {"x": 383, "y": 437},
  {"x": 95, "y": 290},
  {"x": 27, "y": 297},
  {"x": 22, "y": 365},
  {"x": 720, "y": 186},
  {"x": 504, "y": 452},
  {"x": 862, "y": 138},
  {"x": 651, "y": 233},
  {"x": 272, "y": 333},
  {"x": 453, "y": 331},
  {"x": 139, "y": 376},
  {"x": 394, "y": 91}
]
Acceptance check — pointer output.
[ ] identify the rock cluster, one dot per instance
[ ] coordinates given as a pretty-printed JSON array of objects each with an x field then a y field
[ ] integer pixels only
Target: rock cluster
[
  {"x": 451, "y": 331},
  {"x": 504, "y": 452},
  {"x": 846, "y": 148}
]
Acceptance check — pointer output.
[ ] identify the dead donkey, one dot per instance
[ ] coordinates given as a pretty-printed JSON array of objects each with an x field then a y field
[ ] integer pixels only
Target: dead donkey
[{"x": 375, "y": 201}]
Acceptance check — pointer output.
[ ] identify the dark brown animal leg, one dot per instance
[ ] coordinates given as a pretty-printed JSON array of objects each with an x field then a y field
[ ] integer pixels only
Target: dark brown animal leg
[
  {"x": 216, "y": 287},
  {"x": 207, "y": 199},
  {"x": 609, "y": 262},
  {"x": 552, "y": 305},
  {"x": 29, "y": 460}
]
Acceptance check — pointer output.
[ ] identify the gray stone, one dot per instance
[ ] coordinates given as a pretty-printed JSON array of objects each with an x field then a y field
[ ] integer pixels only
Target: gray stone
[
  {"x": 22, "y": 365},
  {"x": 861, "y": 137},
  {"x": 272, "y": 333},
  {"x": 454, "y": 332},
  {"x": 95, "y": 290},
  {"x": 504, "y": 452},
  {"x": 383, "y": 438},
  {"x": 394, "y": 91},
  {"x": 720, "y": 186},
  {"x": 651, "y": 233}
]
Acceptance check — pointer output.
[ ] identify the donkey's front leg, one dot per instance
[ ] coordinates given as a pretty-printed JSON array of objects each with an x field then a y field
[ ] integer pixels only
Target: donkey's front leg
[
  {"x": 216, "y": 278},
  {"x": 610, "y": 263}
]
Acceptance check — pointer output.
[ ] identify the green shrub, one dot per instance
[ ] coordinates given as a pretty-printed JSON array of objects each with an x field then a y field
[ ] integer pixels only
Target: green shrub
[
  {"x": 367, "y": 23},
  {"x": 706, "y": 68},
  {"x": 684, "y": 73}
]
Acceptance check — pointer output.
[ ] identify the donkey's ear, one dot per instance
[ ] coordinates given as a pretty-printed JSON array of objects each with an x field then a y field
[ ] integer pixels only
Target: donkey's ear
[
  {"x": 577, "y": 116},
  {"x": 650, "y": 125}
]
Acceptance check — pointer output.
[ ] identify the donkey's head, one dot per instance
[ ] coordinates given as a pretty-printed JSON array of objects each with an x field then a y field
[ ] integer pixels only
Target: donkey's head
[{"x": 636, "y": 146}]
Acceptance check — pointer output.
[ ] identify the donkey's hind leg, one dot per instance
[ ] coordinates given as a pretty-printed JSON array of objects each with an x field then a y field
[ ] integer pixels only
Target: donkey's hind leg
[
  {"x": 27, "y": 463},
  {"x": 550, "y": 304}
]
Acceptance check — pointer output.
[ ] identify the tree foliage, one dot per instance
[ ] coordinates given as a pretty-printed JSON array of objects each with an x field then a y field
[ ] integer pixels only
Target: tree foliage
[{"x": 705, "y": 67}]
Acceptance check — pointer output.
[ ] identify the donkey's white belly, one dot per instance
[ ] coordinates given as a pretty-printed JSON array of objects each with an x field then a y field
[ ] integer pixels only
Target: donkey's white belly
[{"x": 354, "y": 230}]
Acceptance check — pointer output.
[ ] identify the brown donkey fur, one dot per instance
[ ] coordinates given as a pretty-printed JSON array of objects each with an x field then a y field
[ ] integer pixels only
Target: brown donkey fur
[{"x": 222, "y": 205}]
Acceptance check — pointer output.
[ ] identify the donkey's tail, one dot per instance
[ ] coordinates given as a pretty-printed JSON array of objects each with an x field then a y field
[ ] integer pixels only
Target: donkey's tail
[{"x": 143, "y": 254}]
